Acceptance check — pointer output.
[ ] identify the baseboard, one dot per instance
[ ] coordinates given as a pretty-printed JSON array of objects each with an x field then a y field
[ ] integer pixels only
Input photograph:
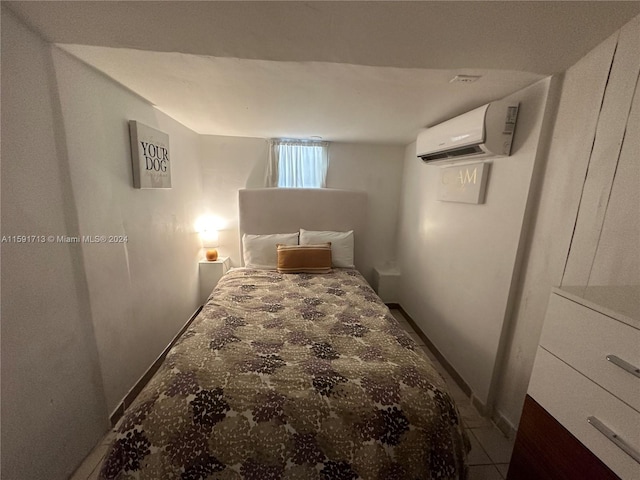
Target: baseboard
[
  {"x": 443, "y": 361},
  {"x": 144, "y": 379},
  {"x": 481, "y": 407},
  {"x": 504, "y": 425}
]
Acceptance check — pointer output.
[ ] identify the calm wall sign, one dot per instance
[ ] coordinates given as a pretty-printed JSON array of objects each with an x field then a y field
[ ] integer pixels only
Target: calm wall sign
[
  {"x": 150, "y": 156},
  {"x": 464, "y": 183}
]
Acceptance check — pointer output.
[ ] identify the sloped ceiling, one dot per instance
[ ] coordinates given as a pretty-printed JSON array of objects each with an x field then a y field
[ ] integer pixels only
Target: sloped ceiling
[{"x": 346, "y": 71}]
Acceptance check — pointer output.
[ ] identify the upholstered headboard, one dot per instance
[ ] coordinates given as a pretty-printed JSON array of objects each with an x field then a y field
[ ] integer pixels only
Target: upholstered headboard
[{"x": 286, "y": 210}]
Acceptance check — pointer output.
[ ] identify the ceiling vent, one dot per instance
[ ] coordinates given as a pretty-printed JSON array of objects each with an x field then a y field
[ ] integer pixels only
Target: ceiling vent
[{"x": 465, "y": 78}]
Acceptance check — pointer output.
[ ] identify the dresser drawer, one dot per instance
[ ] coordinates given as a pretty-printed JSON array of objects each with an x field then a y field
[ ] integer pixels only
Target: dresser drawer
[
  {"x": 583, "y": 338},
  {"x": 572, "y": 398}
]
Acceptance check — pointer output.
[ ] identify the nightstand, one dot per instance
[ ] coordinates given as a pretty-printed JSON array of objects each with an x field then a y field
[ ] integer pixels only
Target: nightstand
[
  {"x": 210, "y": 274},
  {"x": 385, "y": 283}
]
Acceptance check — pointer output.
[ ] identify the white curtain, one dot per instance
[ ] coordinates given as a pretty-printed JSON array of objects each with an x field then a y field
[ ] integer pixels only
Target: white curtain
[{"x": 297, "y": 164}]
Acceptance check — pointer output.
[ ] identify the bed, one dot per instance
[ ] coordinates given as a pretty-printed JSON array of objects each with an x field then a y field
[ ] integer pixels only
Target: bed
[{"x": 291, "y": 376}]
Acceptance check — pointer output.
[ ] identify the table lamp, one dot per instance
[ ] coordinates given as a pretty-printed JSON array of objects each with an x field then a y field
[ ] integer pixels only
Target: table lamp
[{"x": 210, "y": 242}]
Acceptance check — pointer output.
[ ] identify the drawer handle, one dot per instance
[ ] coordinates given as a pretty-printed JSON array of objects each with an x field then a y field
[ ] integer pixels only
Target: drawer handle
[
  {"x": 624, "y": 365},
  {"x": 611, "y": 435}
]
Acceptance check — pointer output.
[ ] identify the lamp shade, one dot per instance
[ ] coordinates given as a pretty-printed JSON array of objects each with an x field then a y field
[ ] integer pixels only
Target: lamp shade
[
  {"x": 209, "y": 238},
  {"x": 207, "y": 228}
]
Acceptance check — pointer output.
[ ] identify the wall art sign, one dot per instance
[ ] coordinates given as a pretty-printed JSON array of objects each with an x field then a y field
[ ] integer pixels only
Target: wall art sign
[
  {"x": 464, "y": 183},
  {"x": 150, "y": 156}
]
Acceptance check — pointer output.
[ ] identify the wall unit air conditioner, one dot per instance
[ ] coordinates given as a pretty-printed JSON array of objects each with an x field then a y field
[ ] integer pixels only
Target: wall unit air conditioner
[{"x": 483, "y": 132}]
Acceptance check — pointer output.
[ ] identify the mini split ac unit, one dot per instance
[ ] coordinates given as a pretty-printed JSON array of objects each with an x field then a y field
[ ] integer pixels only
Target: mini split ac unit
[{"x": 483, "y": 132}]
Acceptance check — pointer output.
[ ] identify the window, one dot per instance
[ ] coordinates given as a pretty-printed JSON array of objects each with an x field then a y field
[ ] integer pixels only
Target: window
[{"x": 297, "y": 164}]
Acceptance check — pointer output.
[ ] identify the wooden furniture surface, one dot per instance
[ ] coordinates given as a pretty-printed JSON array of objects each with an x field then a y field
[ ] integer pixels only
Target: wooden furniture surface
[{"x": 544, "y": 449}]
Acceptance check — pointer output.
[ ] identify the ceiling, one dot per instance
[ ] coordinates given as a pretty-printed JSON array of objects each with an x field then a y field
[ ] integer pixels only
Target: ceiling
[{"x": 346, "y": 71}]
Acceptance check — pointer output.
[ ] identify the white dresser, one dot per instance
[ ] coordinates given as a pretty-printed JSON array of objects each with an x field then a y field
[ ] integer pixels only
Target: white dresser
[{"x": 586, "y": 373}]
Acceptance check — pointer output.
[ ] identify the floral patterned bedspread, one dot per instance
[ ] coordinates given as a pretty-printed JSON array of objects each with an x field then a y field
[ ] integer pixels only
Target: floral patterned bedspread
[{"x": 291, "y": 377}]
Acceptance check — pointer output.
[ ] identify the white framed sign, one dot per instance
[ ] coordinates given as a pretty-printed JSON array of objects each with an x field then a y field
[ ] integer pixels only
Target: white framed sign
[
  {"x": 150, "y": 156},
  {"x": 464, "y": 183}
]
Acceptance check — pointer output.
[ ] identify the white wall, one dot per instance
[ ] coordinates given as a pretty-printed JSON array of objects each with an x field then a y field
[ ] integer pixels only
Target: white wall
[
  {"x": 609, "y": 195},
  {"x": 142, "y": 291},
  {"x": 586, "y": 229},
  {"x": 53, "y": 407},
  {"x": 82, "y": 322},
  {"x": 458, "y": 260},
  {"x": 229, "y": 164},
  {"x": 376, "y": 169},
  {"x": 232, "y": 163}
]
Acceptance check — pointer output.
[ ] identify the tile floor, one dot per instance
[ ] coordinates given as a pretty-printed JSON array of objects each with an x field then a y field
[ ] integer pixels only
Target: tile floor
[{"x": 490, "y": 449}]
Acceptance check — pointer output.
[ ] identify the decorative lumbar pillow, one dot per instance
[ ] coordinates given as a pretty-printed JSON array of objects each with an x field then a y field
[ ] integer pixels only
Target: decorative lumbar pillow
[
  {"x": 259, "y": 251},
  {"x": 341, "y": 245},
  {"x": 304, "y": 258}
]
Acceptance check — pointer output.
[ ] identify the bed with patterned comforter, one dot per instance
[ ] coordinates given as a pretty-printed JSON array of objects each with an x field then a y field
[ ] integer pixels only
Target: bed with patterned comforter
[{"x": 291, "y": 377}]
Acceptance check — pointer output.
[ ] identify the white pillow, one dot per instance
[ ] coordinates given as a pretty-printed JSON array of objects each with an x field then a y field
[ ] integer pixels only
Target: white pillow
[
  {"x": 260, "y": 251},
  {"x": 341, "y": 245}
]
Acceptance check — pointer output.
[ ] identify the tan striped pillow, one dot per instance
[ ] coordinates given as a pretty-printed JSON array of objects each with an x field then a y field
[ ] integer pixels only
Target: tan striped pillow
[{"x": 304, "y": 258}]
